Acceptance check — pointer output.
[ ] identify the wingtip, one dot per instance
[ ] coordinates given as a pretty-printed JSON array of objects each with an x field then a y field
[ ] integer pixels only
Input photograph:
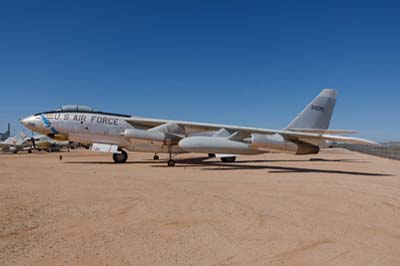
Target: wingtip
[{"x": 369, "y": 142}]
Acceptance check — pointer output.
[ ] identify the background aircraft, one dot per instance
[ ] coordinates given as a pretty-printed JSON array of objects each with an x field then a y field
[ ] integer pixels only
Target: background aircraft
[
  {"x": 115, "y": 133},
  {"x": 43, "y": 142},
  {"x": 16, "y": 144},
  {"x": 36, "y": 142},
  {"x": 5, "y": 135}
]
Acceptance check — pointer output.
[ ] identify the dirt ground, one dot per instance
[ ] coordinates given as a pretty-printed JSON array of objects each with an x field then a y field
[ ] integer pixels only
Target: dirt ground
[{"x": 334, "y": 208}]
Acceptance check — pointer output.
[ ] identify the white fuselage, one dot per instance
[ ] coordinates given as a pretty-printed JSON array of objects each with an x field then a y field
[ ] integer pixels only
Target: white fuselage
[{"x": 88, "y": 128}]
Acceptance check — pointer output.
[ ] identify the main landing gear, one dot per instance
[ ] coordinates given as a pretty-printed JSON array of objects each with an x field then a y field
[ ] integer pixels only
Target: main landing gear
[
  {"x": 120, "y": 157},
  {"x": 170, "y": 162},
  {"x": 155, "y": 157}
]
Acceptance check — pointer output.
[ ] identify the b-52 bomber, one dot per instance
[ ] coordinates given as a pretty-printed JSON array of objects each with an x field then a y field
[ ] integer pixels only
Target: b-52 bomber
[{"x": 116, "y": 133}]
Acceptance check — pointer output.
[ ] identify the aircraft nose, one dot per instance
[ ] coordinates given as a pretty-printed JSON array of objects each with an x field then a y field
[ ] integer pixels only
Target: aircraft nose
[
  {"x": 24, "y": 121},
  {"x": 28, "y": 122}
]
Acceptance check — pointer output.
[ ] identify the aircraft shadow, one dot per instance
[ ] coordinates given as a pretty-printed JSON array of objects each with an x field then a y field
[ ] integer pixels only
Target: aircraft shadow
[
  {"x": 195, "y": 160},
  {"x": 201, "y": 162},
  {"x": 218, "y": 166},
  {"x": 286, "y": 169},
  {"x": 128, "y": 162},
  {"x": 308, "y": 160}
]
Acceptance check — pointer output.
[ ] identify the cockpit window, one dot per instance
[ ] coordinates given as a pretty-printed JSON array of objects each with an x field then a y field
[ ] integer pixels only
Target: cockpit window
[
  {"x": 79, "y": 109},
  {"x": 75, "y": 108}
]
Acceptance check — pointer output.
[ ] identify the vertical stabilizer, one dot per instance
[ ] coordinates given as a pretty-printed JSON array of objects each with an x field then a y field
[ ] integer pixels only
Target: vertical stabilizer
[{"x": 318, "y": 114}]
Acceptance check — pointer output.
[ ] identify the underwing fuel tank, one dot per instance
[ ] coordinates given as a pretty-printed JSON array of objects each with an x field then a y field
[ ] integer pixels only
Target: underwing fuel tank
[
  {"x": 204, "y": 144},
  {"x": 278, "y": 143}
]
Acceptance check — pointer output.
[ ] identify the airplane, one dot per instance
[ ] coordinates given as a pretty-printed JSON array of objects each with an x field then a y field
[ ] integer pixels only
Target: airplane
[
  {"x": 16, "y": 144},
  {"x": 117, "y": 133},
  {"x": 5, "y": 135},
  {"x": 43, "y": 142},
  {"x": 28, "y": 144}
]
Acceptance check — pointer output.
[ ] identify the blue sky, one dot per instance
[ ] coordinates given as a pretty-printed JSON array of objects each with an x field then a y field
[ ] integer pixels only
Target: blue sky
[{"x": 255, "y": 63}]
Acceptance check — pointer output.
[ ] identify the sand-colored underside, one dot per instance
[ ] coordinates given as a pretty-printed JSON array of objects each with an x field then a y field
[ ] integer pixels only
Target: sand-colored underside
[{"x": 340, "y": 208}]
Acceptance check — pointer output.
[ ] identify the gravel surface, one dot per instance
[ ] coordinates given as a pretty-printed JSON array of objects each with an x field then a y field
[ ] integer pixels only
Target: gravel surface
[{"x": 334, "y": 208}]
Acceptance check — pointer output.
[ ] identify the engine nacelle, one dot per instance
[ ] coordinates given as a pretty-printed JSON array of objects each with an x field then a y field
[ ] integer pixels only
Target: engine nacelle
[
  {"x": 139, "y": 134},
  {"x": 305, "y": 148},
  {"x": 145, "y": 135},
  {"x": 278, "y": 143}
]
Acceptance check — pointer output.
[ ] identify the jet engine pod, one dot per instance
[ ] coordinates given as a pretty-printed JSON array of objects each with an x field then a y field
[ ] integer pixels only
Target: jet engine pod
[
  {"x": 209, "y": 145},
  {"x": 145, "y": 134},
  {"x": 278, "y": 143},
  {"x": 273, "y": 143},
  {"x": 305, "y": 148}
]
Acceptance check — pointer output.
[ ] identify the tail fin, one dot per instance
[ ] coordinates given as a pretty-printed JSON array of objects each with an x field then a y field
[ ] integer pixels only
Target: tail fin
[{"x": 317, "y": 115}]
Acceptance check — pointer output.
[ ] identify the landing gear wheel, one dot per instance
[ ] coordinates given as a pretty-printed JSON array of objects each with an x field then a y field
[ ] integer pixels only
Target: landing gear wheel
[
  {"x": 170, "y": 161},
  {"x": 29, "y": 151},
  {"x": 228, "y": 159},
  {"x": 120, "y": 157},
  {"x": 155, "y": 158}
]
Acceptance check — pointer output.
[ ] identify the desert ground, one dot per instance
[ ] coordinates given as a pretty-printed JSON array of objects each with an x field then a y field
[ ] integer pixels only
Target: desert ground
[{"x": 334, "y": 208}]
